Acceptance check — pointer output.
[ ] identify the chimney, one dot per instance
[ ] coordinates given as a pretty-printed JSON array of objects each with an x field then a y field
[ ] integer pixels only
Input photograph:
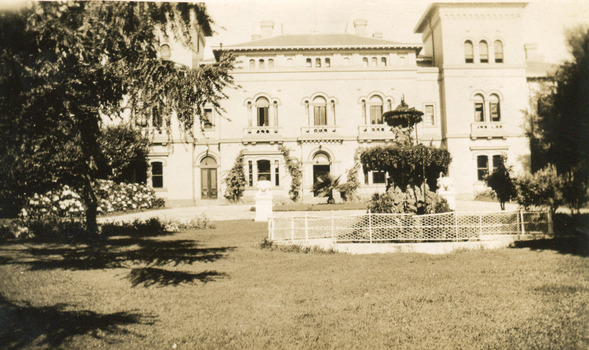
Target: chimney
[
  {"x": 532, "y": 52},
  {"x": 256, "y": 36},
  {"x": 377, "y": 35},
  {"x": 360, "y": 26},
  {"x": 267, "y": 28}
]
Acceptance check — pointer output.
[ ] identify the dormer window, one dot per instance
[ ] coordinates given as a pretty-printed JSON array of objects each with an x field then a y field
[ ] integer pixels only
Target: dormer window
[{"x": 468, "y": 52}]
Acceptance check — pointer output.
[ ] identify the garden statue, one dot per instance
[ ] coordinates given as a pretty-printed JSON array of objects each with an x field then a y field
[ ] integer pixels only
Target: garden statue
[
  {"x": 263, "y": 200},
  {"x": 446, "y": 190}
]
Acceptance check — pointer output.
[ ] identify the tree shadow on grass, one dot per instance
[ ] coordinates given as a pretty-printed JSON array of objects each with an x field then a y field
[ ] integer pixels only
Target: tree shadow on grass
[
  {"x": 23, "y": 325},
  {"x": 151, "y": 276}
]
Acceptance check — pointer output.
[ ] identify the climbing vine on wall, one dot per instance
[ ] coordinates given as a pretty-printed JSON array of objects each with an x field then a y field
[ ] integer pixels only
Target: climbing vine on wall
[
  {"x": 235, "y": 180},
  {"x": 293, "y": 166}
]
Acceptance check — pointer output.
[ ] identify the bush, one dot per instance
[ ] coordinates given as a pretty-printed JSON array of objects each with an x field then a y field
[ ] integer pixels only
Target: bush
[
  {"x": 543, "y": 189},
  {"x": 502, "y": 184},
  {"x": 485, "y": 195},
  {"x": 235, "y": 181},
  {"x": 155, "y": 226},
  {"x": 411, "y": 201},
  {"x": 53, "y": 229}
]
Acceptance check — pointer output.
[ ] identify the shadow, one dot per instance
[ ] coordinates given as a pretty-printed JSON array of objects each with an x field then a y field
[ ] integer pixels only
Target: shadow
[
  {"x": 151, "y": 276},
  {"x": 23, "y": 325}
]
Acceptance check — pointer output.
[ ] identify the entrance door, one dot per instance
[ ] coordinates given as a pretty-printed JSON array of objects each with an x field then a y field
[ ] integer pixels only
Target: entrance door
[
  {"x": 208, "y": 178},
  {"x": 321, "y": 166}
]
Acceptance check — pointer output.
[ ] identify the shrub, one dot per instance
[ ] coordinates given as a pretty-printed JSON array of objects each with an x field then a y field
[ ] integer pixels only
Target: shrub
[
  {"x": 293, "y": 166},
  {"x": 485, "y": 195},
  {"x": 411, "y": 201},
  {"x": 543, "y": 189},
  {"x": 502, "y": 184},
  {"x": 235, "y": 181},
  {"x": 325, "y": 185},
  {"x": 53, "y": 229},
  {"x": 155, "y": 226}
]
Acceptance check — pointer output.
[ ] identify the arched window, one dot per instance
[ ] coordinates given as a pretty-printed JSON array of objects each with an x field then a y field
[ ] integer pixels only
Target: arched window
[
  {"x": 262, "y": 107},
  {"x": 494, "y": 108},
  {"x": 289, "y": 61},
  {"x": 483, "y": 52},
  {"x": 375, "y": 110},
  {"x": 383, "y": 61},
  {"x": 261, "y": 63},
  {"x": 318, "y": 63},
  {"x": 468, "y": 52},
  {"x": 264, "y": 170},
  {"x": 208, "y": 178},
  {"x": 498, "y": 48},
  {"x": 252, "y": 64},
  {"x": 365, "y": 62},
  {"x": 327, "y": 62},
  {"x": 165, "y": 52},
  {"x": 321, "y": 158},
  {"x": 157, "y": 175},
  {"x": 309, "y": 63},
  {"x": 320, "y": 110},
  {"x": 346, "y": 61},
  {"x": 479, "y": 108},
  {"x": 270, "y": 63},
  {"x": 374, "y": 62}
]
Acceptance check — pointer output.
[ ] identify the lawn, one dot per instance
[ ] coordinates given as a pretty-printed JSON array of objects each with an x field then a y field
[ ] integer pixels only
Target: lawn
[{"x": 219, "y": 289}]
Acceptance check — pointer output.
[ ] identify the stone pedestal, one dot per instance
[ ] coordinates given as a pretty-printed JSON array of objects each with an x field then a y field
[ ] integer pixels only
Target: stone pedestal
[
  {"x": 446, "y": 191},
  {"x": 263, "y": 200}
]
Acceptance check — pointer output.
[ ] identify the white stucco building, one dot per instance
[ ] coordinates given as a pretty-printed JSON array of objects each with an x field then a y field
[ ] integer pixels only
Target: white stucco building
[{"x": 323, "y": 95}]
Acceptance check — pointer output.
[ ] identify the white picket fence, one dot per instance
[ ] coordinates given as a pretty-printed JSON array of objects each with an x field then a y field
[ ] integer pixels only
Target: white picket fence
[{"x": 373, "y": 227}]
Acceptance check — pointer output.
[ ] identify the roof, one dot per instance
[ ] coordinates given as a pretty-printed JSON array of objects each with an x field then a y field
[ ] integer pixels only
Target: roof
[
  {"x": 536, "y": 69},
  {"x": 420, "y": 27},
  {"x": 319, "y": 41}
]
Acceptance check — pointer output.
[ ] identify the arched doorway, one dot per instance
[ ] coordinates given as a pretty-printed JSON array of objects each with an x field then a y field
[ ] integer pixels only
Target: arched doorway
[
  {"x": 321, "y": 166},
  {"x": 208, "y": 178}
]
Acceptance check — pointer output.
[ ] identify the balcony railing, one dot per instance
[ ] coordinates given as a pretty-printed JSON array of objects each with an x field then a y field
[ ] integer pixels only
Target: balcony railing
[
  {"x": 318, "y": 130},
  {"x": 375, "y": 132},
  {"x": 487, "y": 130},
  {"x": 262, "y": 134}
]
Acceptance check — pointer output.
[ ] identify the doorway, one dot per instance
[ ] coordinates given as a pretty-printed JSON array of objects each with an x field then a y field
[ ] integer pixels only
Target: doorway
[
  {"x": 208, "y": 178},
  {"x": 321, "y": 167}
]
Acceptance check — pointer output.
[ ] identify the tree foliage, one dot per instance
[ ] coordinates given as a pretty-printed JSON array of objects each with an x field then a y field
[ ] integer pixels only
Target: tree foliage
[
  {"x": 65, "y": 65},
  {"x": 293, "y": 166},
  {"x": 235, "y": 180},
  {"x": 124, "y": 153},
  {"x": 543, "y": 189},
  {"x": 501, "y": 183},
  {"x": 325, "y": 185},
  {"x": 405, "y": 163}
]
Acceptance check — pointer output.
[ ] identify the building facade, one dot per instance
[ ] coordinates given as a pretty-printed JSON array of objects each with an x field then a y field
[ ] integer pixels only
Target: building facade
[{"x": 322, "y": 96}]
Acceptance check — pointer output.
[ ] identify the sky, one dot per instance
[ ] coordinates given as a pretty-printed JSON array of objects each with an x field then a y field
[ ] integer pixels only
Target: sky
[{"x": 545, "y": 21}]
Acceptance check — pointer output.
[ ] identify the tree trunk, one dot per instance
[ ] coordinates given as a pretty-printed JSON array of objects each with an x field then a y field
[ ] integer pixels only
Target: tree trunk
[{"x": 91, "y": 207}]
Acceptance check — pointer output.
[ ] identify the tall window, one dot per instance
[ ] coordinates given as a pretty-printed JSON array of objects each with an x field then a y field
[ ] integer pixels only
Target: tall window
[
  {"x": 494, "y": 108},
  {"x": 483, "y": 52},
  {"x": 264, "y": 170},
  {"x": 498, "y": 48},
  {"x": 157, "y": 175},
  {"x": 207, "y": 122},
  {"x": 320, "y": 110},
  {"x": 262, "y": 106},
  {"x": 479, "y": 108},
  {"x": 497, "y": 161},
  {"x": 276, "y": 173},
  {"x": 250, "y": 172},
  {"x": 156, "y": 117},
  {"x": 428, "y": 115},
  {"x": 376, "y": 110},
  {"x": 468, "y": 52},
  {"x": 482, "y": 167}
]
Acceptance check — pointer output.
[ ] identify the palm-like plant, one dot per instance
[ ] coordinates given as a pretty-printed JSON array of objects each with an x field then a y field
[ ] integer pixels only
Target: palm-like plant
[{"x": 325, "y": 185}]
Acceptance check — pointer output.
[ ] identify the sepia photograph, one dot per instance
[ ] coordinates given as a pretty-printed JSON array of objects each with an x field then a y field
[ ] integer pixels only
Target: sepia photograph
[{"x": 329, "y": 174}]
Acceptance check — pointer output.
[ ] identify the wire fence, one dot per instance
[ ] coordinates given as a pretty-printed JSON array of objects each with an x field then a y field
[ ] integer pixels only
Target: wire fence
[{"x": 373, "y": 227}]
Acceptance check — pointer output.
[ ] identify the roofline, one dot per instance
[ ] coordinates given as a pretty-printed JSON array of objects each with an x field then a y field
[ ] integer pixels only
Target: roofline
[
  {"x": 436, "y": 5},
  {"x": 416, "y": 47}
]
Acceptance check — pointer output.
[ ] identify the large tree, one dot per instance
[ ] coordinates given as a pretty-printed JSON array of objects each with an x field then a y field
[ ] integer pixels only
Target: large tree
[
  {"x": 66, "y": 65},
  {"x": 561, "y": 128}
]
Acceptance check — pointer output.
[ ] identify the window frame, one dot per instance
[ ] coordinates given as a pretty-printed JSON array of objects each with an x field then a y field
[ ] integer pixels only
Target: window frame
[
  {"x": 157, "y": 176},
  {"x": 468, "y": 52},
  {"x": 373, "y": 104},
  {"x": 319, "y": 106},
  {"x": 479, "y": 108},
  {"x": 498, "y": 54},
  {"x": 483, "y": 51},
  {"x": 262, "y": 108},
  {"x": 494, "y": 108},
  {"x": 425, "y": 114}
]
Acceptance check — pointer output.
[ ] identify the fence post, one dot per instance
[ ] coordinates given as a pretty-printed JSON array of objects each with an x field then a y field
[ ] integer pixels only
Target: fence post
[
  {"x": 370, "y": 226},
  {"x": 456, "y": 224},
  {"x": 292, "y": 229},
  {"x": 521, "y": 219},
  {"x": 480, "y": 225},
  {"x": 306, "y": 226}
]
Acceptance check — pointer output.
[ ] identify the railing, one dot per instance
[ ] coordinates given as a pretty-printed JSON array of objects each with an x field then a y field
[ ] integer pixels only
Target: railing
[
  {"x": 487, "y": 129},
  {"x": 372, "y": 228},
  {"x": 375, "y": 132},
  {"x": 318, "y": 130},
  {"x": 262, "y": 131}
]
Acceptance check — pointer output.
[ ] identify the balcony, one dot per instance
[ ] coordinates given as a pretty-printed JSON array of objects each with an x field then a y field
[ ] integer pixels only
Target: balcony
[
  {"x": 256, "y": 134},
  {"x": 320, "y": 133},
  {"x": 367, "y": 133},
  {"x": 487, "y": 130}
]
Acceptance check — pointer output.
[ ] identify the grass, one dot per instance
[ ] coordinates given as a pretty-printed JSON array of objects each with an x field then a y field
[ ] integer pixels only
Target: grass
[
  {"x": 321, "y": 206},
  {"x": 219, "y": 289}
]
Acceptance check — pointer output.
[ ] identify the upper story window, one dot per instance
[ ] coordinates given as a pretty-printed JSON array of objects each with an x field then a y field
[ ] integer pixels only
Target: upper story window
[
  {"x": 270, "y": 63},
  {"x": 494, "y": 108},
  {"x": 165, "y": 52},
  {"x": 483, "y": 52},
  {"x": 428, "y": 115},
  {"x": 320, "y": 111},
  {"x": 346, "y": 61},
  {"x": 157, "y": 175},
  {"x": 375, "y": 104},
  {"x": 289, "y": 61},
  {"x": 479, "y": 108},
  {"x": 207, "y": 122},
  {"x": 252, "y": 64},
  {"x": 383, "y": 61},
  {"x": 262, "y": 107},
  {"x": 468, "y": 52},
  {"x": 318, "y": 63},
  {"x": 365, "y": 62},
  {"x": 374, "y": 62},
  {"x": 498, "y": 48},
  {"x": 309, "y": 63},
  {"x": 261, "y": 64},
  {"x": 327, "y": 62}
]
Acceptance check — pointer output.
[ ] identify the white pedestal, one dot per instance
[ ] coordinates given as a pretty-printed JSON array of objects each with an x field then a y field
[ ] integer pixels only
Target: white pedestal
[{"x": 263, "y": 200}]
